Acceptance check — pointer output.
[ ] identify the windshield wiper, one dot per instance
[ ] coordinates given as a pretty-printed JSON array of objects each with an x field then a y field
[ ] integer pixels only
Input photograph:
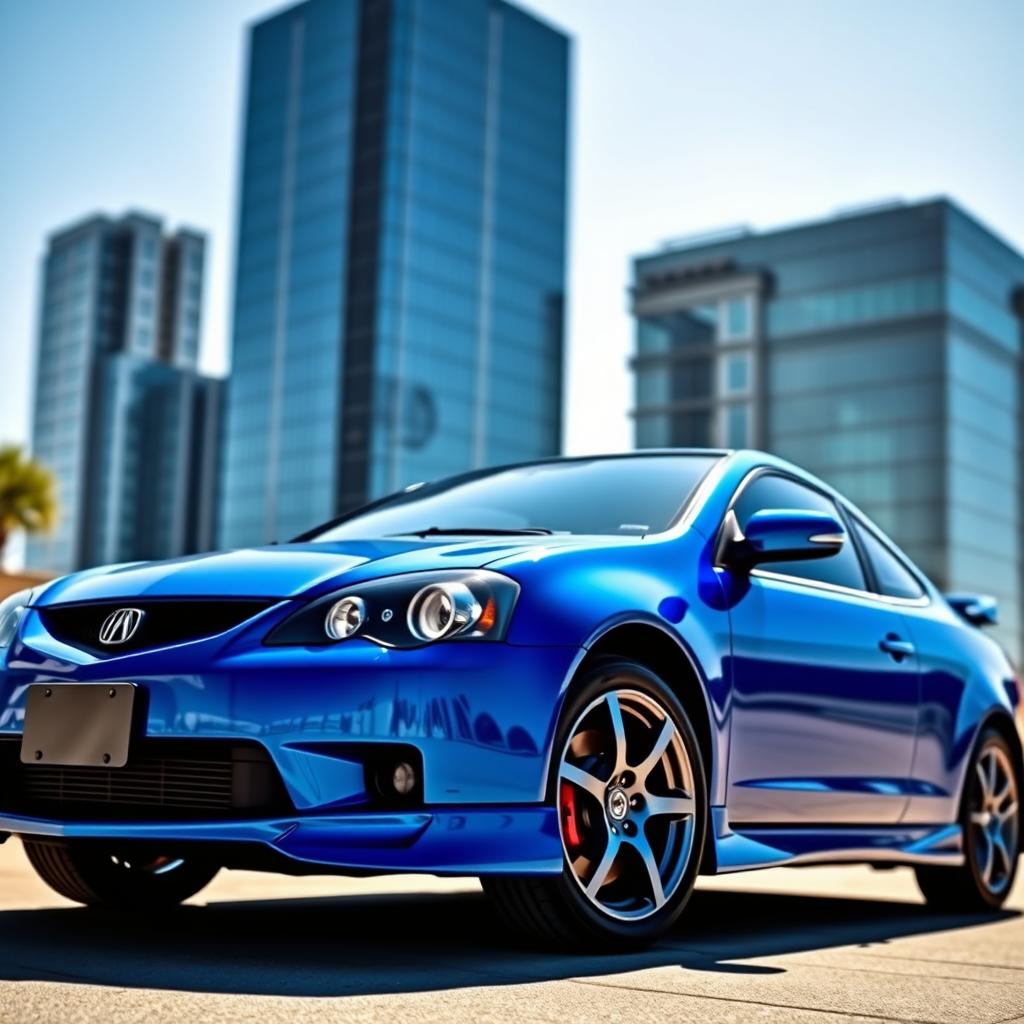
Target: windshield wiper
[{"x": 475, "y": 531}]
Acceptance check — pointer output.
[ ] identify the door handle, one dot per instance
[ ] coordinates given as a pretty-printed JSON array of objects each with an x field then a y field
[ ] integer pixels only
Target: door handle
[{"x": 896, "y": 648}]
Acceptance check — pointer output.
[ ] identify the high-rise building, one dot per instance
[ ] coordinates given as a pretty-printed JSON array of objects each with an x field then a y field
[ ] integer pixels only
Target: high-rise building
[
  {"x": 881, "y": 349},
  {"x": 401, "y": 254},
  {"x": 128, "y": 426}
]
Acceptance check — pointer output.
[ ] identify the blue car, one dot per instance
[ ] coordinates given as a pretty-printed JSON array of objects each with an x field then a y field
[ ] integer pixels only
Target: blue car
[{"x": 585, "y": 681}]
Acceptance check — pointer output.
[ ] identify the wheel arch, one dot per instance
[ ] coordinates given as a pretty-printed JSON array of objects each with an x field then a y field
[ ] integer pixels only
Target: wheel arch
[
  {"x": 663, "y": 653},
  {"x": 1001, "y": 720}
]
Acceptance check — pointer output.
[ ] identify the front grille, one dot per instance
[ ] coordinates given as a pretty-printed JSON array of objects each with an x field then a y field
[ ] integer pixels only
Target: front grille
[
  {"x": 165, "y": 779},
  {"x": 163, "y": 622}
]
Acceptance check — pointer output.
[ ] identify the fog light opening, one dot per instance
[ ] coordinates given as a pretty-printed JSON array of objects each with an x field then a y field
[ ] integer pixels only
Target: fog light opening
[
  {"x": 394, "y": 775},
  {"x": 403, "y": 778}
]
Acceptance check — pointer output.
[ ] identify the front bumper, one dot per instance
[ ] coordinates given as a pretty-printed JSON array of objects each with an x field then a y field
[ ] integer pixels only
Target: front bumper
[
  {"x": 482, "y": 717},
  {"x": 440, "y": 841}
]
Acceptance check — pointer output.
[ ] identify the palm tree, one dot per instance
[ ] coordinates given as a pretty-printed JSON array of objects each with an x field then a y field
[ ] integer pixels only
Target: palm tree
[{"x": 27, "y": 498}]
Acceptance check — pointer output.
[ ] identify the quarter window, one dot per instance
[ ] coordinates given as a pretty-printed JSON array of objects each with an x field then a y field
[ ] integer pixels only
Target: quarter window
[
  {"x": 842, "y": 569},
  {"x": 893, "y": 577}
]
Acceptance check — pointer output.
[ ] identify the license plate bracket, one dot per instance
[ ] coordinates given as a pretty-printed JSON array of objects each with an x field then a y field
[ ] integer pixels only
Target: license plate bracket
[{"x": 78, "y": 724}]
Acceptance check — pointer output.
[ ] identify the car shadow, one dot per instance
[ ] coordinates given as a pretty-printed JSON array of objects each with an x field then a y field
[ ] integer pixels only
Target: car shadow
[{"x": 360, "y": 945}]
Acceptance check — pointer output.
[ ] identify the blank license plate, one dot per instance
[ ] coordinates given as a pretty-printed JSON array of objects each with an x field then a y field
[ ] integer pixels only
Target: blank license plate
[{"x": 85, "y": 724}]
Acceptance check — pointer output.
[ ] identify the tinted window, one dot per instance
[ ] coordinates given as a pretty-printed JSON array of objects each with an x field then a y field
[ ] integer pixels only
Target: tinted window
[
  {"x": 769, "y": 491},
  {"x": 894, "y": 578},
  {"x": 627, "y": 496}
]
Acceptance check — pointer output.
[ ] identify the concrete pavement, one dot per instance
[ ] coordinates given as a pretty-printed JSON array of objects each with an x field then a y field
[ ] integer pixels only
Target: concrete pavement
[{"x": 818, "y": 945}]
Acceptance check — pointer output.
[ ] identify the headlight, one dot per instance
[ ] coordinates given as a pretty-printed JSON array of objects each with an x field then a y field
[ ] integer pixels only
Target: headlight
[
  {"x": 406, "y": 611},
  {"x": 344, "y": 618},
  {"x": 440, "y": 609},
  {"x": 12, "y": 609}
]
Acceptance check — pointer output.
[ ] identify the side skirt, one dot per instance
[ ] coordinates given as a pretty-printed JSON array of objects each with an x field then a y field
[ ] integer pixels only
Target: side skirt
[{"x": 745, "y": 848}]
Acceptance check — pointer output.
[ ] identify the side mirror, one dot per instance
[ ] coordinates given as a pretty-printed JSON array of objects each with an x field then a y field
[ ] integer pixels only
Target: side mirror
[
  {"x": 780, "y": 535},
  {"x": 977, "y": 609}
]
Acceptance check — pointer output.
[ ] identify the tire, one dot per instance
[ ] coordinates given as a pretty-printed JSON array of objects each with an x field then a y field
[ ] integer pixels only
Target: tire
[
  {"x": 614, "y": 807},
  {"x": 98, "y": 877},
  {"x": 990, "y": 819}
]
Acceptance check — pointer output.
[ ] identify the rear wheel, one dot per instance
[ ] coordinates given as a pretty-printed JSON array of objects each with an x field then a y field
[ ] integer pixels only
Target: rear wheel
[
  {"x": 101, "y": 877},
  {"x": 628, "y": 782},
  {"x": 990, "y": 818}
]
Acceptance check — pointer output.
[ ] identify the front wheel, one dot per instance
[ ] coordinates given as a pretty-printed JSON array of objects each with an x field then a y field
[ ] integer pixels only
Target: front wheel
[
  {"x": 628, "y": 782},
  {"x": 990, "y": 819},
  {"x": 122, "y": 879}
]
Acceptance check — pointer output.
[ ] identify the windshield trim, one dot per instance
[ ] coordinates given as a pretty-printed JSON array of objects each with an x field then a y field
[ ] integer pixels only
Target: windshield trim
[{"x": 716, "y": 455}]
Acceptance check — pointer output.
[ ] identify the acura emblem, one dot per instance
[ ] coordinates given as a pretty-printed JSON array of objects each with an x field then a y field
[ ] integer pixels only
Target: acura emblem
[{"x": 120, "y": 626}]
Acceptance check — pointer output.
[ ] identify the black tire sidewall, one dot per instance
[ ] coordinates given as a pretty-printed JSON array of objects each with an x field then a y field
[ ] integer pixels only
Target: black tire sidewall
[
  {"x": 86, "y": 866},
  {"x": 602, "y": 678}
]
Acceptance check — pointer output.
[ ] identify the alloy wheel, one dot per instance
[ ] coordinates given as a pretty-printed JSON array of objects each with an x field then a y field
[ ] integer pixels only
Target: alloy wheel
[
  {"x": 627, "y": 805},
  {"x": 994, "y": 818}
]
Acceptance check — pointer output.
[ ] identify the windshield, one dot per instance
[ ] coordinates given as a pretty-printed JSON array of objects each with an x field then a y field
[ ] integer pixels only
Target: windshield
[{"x": 619, "y": 496}]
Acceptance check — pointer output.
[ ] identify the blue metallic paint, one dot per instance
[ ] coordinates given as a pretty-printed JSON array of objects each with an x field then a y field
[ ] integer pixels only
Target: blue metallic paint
[
  {"x": 813, "y": 696},
  {"x": 821, "y": 745},
  {"x": 778, "y": 535}
]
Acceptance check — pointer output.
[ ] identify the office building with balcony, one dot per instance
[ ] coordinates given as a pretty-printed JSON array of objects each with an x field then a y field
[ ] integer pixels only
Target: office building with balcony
[
  {"x": 880, "y": 349},
  {"x": 401, "y": 255},
  {"x": 122, "y": 418}
]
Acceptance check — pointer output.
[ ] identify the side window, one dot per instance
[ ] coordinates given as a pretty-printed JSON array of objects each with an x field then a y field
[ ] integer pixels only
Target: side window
[
  {"x": 894, "y": 578},
  {"x": 769, "y": 491}
]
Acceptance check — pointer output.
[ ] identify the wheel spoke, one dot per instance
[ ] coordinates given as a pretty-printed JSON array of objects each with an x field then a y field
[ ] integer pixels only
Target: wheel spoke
[
  {"x": 982, "y": 780},
  {"x": 993, "y": 765},
  {"x": 643, "y": 847},
  {"x": 1004, "y": 814},
  {"x": 999, "y": 843},
  {"x": 646, "y": 766},
  {"x": 618, "y": 730},
  {"x": 986, "y": 869},
  {"x": 600, "y": 875},
  {"x": 1005, "y": 790},
  {"x": 591, "y": 783},
  {"x": 671, "y": 806}
]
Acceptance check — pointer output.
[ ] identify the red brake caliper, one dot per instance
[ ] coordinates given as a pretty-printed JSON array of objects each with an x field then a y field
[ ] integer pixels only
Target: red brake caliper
[{"x": 570, "y": 827}]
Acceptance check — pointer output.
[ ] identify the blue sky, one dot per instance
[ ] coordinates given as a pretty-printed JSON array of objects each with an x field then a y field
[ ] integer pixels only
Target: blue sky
[{"x": 687, "y": 116}]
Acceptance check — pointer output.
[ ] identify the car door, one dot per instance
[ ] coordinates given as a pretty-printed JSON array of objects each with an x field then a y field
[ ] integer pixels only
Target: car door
[
  {"x": 950, "y": 658},
  {"x": 825, "y": 686}
]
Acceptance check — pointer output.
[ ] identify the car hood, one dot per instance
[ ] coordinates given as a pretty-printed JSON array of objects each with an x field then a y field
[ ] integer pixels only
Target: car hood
[{"x": 287, "y": 570}]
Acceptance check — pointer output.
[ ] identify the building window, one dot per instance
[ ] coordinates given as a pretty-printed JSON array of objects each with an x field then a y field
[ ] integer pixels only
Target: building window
[
  {"x": 652, "y": 386},
  {"x": 736, "y": 426},
  {"x": 815, "y": 311},
  {"x": 691, "y": 429},
  {"x": 652, "y": 431},
  {"x": 736, "y": 374},
  {"x": 737, "y": 320},
  {"x": 719, "y": 320}
]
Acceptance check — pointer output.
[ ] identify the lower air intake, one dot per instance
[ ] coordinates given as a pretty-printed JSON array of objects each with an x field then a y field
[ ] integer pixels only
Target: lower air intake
[{"x": 183, "y": 779}]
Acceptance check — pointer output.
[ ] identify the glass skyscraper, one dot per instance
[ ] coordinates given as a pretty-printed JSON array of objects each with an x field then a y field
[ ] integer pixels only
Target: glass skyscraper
[
  {"x": 880, "y": 349},
  {"x": 128, "y": 427},
  {"x": 401, "y": 255}
]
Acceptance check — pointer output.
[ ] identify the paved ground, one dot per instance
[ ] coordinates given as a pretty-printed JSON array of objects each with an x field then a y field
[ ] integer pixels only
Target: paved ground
[{"x": 819, "y": 945}]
